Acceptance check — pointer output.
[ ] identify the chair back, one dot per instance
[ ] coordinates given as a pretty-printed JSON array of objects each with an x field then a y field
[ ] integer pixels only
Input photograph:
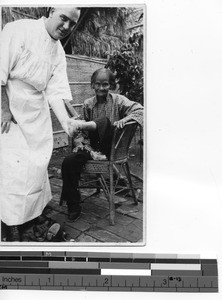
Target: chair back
[{"x": 121, "y": 141}]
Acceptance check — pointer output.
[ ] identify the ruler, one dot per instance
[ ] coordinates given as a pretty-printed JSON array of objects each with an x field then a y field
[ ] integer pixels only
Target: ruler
[{"x": 103, "y": 271}]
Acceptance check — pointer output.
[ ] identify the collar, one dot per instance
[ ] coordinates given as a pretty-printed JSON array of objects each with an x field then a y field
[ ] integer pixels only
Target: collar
[
  {"x": 108, "y": 98},
  {"x": 42, "y": 21}
]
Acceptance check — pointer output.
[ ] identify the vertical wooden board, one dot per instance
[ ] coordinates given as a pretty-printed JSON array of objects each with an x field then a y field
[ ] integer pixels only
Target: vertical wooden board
[
  {"x": 81, "y": 92},
  {"x": 79, "y": 109}
]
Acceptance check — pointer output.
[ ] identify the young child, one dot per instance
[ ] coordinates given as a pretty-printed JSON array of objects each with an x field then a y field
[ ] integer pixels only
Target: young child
[{"x": 101, "y": 113}]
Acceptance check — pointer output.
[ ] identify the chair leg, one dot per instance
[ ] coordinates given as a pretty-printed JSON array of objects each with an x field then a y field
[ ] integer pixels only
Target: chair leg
[
  {"x": 98, "y": 187},
  {"x": 111, "y": 197},
  {"x": 127, "y": 172},
  {"x": 104, "y": 186}
]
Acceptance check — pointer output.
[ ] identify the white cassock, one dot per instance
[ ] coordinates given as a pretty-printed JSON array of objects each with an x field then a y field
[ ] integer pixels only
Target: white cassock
[{"x": 33, "y": 68}]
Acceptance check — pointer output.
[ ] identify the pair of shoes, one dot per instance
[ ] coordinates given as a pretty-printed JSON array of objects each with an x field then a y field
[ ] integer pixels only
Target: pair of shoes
[
  {"x": 56, "y": 234},
  {"x": 47, "y": 231},
  {"x": 13, "y": 234},
  {"x": 74, "y": 214}
]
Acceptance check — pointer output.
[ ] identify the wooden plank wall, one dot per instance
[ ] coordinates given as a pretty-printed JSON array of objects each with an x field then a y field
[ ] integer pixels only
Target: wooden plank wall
[{"x": 79, "y": 69}]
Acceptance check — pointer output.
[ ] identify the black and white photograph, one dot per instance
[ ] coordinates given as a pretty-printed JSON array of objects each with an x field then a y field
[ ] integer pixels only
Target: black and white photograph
[
  {"x": 72, "y": 90},
  {"x": 111, "y": 150}
]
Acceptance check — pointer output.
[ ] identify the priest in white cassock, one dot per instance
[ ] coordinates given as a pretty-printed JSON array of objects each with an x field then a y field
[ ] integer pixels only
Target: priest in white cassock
[{"x": 33, "y": 76}]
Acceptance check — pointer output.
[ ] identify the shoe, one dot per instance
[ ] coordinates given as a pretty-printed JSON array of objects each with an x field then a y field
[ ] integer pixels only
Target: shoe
[
  {"x": 40, "y": 230},
  {"x": 66, "y": 237},
  {"x": 54, "y": 233},
  {"x": 13, "y": 234},
  {"x": 25, "y": 237},
  {"x": 74, "y": 215}
]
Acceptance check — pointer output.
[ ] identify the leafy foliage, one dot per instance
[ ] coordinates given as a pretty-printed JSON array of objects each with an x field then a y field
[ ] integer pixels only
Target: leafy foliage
[{"x": 127, "y": 65}]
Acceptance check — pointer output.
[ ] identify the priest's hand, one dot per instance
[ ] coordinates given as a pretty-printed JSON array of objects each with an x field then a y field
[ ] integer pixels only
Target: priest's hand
[
  {"x": 6, "y": 120},
  {"x": 72, "y": 126}
]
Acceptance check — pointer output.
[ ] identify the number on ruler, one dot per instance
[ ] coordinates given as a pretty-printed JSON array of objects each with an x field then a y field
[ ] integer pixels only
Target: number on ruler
[
  {"x": 175, "y": 278},
  {"x": 106, "y": 280},
  {"x": 3, "y": 287},
  {"x": 164, "y": 281}
]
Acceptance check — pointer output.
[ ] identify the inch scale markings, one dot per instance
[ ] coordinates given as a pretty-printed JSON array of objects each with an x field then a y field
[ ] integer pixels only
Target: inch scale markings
[{"x": 107, "y": 272}]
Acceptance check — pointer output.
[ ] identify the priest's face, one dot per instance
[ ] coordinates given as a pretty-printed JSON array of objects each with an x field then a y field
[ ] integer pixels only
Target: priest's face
[{"x": 61, "y": 21}]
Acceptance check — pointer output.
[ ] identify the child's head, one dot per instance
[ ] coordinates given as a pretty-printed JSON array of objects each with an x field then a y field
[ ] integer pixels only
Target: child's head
[{"x": 102, "y": 81}]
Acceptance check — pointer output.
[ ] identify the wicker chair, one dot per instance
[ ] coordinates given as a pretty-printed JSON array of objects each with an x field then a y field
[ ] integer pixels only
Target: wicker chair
[{"x": 119, "y": 156}]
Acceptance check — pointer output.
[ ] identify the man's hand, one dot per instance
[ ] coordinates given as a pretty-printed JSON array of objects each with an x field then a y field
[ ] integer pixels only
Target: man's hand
[
  {"x": 72, "y": 126},
  {"x": 120, "y": 123},
  {"x": 7, "y": 118}
]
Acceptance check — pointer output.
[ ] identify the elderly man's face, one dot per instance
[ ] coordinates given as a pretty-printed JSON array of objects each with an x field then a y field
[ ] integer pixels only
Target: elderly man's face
[{"x": 61, "y": 21}]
